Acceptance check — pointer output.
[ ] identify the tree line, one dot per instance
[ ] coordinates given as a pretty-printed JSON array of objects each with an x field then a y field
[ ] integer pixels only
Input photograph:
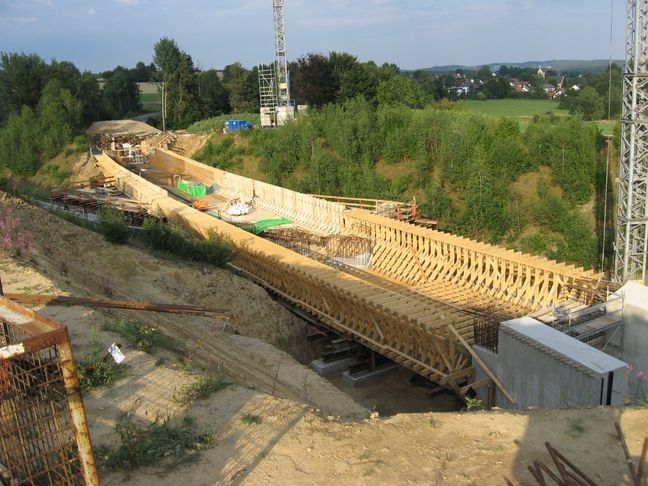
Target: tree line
[{"x": 463, "y": 168}]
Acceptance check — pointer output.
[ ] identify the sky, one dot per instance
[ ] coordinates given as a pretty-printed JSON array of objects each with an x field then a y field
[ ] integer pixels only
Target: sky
[{"x": 98, "y": 35}]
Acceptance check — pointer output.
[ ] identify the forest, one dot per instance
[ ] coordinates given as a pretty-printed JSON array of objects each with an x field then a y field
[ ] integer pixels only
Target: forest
[
  {"x": 479, "y": 175},
  {"x": 371, "y": 131}
]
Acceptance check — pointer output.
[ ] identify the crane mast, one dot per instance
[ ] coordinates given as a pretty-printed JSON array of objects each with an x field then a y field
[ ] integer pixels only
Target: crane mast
[
  {"x": 274, "y": 82},
  {"x": 281, "y": 62},
  {"x": 631, "y": 242}
]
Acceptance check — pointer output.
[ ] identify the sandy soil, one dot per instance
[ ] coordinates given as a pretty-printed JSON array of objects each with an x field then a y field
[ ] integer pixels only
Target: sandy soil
[
  {"x": 311, "y": 432},
  {"x": 191, "y": 143}
]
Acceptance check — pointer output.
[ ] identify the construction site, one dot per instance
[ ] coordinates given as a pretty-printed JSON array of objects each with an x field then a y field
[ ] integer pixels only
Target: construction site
[{"x": 348, "y": 333}]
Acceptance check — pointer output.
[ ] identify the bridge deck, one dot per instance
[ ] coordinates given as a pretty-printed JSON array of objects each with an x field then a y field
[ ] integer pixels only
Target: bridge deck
[{"x": 421, "y": 282}]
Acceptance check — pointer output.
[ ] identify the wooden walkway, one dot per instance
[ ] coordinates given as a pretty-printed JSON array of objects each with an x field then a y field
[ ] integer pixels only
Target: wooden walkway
[{"x": 423, "y": 283}]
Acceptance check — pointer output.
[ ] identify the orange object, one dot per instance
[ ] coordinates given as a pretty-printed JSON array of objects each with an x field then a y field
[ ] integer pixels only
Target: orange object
[{"x": 200, "y": 205}]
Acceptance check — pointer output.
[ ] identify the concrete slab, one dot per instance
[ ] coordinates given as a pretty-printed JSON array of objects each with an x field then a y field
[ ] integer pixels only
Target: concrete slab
[
  {"x": 327, "y": 367},
  {"x": 367, "y": 376}
]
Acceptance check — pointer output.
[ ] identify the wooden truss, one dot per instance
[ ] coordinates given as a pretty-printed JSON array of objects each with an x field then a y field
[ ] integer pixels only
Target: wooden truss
[{"x": 420, "y": 302}]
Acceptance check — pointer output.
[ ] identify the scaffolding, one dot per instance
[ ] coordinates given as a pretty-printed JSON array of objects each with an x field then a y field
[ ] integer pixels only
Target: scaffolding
[
  {"x": 267, "y": 95},
  {"x": 43, "y": 430}
]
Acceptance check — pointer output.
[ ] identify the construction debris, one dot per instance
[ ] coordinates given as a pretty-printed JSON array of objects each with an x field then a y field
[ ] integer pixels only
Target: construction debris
[{"x": 568, "y": 474}]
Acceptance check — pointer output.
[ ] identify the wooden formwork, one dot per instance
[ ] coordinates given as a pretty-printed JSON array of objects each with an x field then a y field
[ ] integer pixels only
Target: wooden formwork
[
  {"x": 484, "y": 277},
  {"x": 419, "y": 304},
  {"x": 322, "y": 216},
  {"x": 404, "y": 325}
]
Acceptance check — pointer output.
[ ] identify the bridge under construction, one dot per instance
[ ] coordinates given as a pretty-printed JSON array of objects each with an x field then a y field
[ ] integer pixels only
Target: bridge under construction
[{"x": 417, "y": 300}]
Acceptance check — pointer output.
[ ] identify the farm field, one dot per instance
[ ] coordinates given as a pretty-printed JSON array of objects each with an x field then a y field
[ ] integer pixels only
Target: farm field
[
  {"x": 518, "y": 108},
  {"x": 150, "y": 101}
]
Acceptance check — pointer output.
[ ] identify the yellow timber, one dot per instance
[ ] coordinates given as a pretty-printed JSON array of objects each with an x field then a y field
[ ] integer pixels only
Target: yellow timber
[{"x": 422, "y": 281}]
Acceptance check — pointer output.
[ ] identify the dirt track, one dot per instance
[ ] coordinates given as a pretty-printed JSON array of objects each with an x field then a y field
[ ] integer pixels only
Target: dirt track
[{"x": 297, "y": 442}]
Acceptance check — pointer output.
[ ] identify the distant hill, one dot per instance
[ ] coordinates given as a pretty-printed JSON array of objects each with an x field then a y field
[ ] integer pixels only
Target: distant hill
[{"x": 581, "y": 66}]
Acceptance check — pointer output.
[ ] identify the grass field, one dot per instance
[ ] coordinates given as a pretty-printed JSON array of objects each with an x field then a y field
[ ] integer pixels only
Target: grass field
[
  {"x": 517, "y": 108},
  {"x": 150, "y": 101}
]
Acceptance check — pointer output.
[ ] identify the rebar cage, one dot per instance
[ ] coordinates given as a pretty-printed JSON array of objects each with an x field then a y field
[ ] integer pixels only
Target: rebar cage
[{"x": 43, "y": 430}]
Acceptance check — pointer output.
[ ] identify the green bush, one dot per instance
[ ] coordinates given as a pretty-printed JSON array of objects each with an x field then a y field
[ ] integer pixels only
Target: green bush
[
  {"x": 112, "y": 225},
  {"x": 203, "y": 387},
  {"x": 97, "y": 368},
  {"x": 216, "y": 249},
  {"x": 249, "y": 419},
  {"x": 223, "y": 155},
  {"x": 154, "y": 443},
  {"x": 144, "y": 338}
]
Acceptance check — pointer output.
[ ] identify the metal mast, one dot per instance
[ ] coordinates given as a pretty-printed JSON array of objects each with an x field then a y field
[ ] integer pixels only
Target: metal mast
[
  {"x": 281, "y": 66},
  {"x": 631, "y": 245}
]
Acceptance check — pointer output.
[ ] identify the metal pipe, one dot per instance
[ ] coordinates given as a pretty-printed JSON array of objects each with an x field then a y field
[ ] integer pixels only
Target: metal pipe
[{"x": 77, "y": 412}]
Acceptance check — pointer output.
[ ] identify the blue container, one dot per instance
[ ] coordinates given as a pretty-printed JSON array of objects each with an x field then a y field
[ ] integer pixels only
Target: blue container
[{"x": 238, "y": 125}]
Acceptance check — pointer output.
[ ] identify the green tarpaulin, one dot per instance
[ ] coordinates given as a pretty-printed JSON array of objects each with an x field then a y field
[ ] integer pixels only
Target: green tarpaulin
[
  {"x": 194, "y": 189},
  {"x": 258, "y": 227}
]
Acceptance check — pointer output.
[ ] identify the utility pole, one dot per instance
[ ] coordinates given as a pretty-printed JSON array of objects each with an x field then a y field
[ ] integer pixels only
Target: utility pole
[{"x": 631, "y": 242}]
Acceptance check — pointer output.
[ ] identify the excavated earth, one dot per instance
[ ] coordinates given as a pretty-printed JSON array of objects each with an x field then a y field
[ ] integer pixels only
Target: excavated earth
[{"x": 311, "y": 432}]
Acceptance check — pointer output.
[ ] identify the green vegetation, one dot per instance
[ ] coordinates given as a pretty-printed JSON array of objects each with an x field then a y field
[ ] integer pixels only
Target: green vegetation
[
  {"x": 203, "y": 387},
  {"x": 158, "y": 442},
  {"x": 514, "y": 107},
  {"x": 150, "y": 101},
  {"x": 474, "y": 404},
  {"x": 144, "y": 338},
  {"x": 216, "y": 249},
  {"x": 97, "y": 368},
  {"x": 112, "y": 225},
  {"x": 249, "y": 419},
  {"x": 222, "y": 155},
  {"x": 462, "y": 167}
]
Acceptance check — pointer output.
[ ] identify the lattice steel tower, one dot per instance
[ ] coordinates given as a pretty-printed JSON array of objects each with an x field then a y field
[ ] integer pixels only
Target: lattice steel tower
[
  {"x": 631, "y": 245},
  {"x": 274, "y": 83},
  {"x": 281, "y": 67}
]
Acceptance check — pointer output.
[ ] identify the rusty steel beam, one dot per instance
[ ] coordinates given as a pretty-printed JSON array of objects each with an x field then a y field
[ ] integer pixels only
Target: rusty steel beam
[{"x": 114, "y": 304}]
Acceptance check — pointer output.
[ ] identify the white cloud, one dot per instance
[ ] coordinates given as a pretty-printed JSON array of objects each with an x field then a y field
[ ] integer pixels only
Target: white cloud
[
  {"x": 130, "y": 2},
  {"x": 91, "y": 12},
  {"x": 24, "y": 20}
]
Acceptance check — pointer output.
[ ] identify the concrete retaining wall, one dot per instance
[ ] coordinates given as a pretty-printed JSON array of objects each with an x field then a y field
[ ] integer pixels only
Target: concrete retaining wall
[{"x": 538, "y": 376}]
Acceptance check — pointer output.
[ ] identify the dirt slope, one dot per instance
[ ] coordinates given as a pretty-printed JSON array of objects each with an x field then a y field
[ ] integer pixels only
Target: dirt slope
[{"x": 299, "y": 439}]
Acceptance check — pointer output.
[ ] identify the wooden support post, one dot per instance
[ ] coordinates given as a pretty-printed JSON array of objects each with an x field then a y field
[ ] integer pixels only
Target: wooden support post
[{"x": 483, "y": 365}]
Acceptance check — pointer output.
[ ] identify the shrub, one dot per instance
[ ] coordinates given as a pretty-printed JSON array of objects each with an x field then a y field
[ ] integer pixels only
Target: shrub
[
  {"x": 144, "y": 338},
  {"x": 203, "y": 387},
  {"x": 249, "y": 419},
  {"x": 112, "y": 225},
  {"x": 97, "y": 368},
  {"x": 216, "y": 249},
  {"x": 146, "y": 445}
]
